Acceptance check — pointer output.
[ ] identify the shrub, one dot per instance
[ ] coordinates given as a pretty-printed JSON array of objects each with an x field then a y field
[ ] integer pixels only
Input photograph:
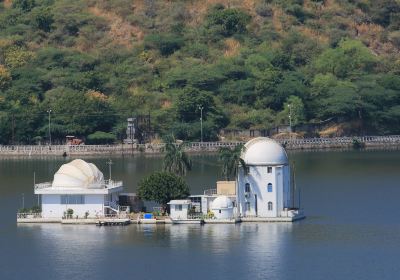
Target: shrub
[
  {"x": 166, "y": 44},
  {"x": 227, "y": 21},
  {"x": 100, "y": 137}
]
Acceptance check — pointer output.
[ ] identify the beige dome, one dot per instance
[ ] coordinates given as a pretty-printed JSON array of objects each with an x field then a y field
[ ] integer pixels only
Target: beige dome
[
  {"x": 264, "y": 151},
  {"x": 77, "y": 174},
  {"x": 221, "y": 202}
]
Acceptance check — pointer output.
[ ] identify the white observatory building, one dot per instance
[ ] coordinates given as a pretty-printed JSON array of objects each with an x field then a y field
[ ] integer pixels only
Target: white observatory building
[
  {"x": 264, "y": 188},
  {"x": 79, "y": 186}
]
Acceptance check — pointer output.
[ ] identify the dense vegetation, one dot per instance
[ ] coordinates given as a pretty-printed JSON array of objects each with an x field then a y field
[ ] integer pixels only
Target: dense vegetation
[{"x": 96, "y": 62}]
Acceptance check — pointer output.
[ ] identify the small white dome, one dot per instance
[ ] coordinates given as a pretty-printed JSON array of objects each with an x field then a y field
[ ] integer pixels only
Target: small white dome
[
  {"x": 77, "y": 174},
  {"x": 264, "y": 151},
  {"x": 221, "y": 202}
]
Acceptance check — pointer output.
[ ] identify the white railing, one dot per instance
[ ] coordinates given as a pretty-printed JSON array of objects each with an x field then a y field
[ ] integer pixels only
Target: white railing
[
  {"x": 29, "y": 215},
  {"x": 191, "y": 146},
  {"x": 196, "y": 216},
  {"x": 113, "y": 183},
  {"x": 43, "y": 185},
  {"x": 112, "y": 204},
  {"x": 210, "y": 192},
  {"x": 106, "y": 184}
]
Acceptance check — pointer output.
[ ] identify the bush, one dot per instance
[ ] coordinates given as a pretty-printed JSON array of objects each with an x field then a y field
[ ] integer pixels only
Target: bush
[
  {"x": 166, "y": 44},
  {"x": 100, "y": 137},
  {"x": 227, "y": 21}
]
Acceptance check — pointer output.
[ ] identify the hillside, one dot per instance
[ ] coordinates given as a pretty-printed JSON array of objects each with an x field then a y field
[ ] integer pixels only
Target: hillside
[{"x": 96, "y": 62}]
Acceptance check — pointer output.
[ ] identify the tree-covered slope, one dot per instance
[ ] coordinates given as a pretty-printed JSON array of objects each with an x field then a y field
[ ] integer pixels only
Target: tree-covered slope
[{"x": 96, "y": 62}]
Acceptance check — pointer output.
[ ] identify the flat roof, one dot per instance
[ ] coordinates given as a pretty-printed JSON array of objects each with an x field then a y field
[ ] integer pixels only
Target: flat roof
[
  {"x": 180, "y": 201},
  {"x": 111, "y": 187}
]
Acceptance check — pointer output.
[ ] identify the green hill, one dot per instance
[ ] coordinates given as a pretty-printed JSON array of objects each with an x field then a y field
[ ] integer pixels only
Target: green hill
[{"x": 96, "y": 62}]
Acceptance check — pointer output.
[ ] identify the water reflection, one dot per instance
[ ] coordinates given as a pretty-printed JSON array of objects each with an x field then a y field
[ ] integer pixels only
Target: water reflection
[{"x": 351, "y": 232}]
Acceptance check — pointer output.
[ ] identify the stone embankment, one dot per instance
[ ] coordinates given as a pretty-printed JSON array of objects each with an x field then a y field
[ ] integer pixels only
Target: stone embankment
[{"x": 126, "y": 149}]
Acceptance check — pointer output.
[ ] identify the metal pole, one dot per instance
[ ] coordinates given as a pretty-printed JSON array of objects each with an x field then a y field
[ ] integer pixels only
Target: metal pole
[
  {"x": 23, "y": 201},
  {"x": 13, "y": 129},
  {"x": 49, "y": 111},
  {"x": 201, "y": 123},
  {"x": 290, "y": 117},
  {"x": 109, "y": 167}
]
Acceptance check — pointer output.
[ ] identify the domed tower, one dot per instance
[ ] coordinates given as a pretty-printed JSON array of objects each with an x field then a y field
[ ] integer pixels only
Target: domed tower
[{"x": 264, "y": 187}]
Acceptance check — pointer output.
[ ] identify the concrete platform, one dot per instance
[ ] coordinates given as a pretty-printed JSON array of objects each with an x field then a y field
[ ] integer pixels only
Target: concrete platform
[
  {"x": 273, "y": 220},
  {"x": 38, "y": 220},
  {"x": 222, "y": 221},
  {"x": 147, "y": 221},
  {"x": 188, "y": 221}
]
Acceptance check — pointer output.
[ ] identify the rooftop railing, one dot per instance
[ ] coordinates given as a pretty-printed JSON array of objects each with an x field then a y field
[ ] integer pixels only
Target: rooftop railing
[
  {"x": 106, "y": 185},
  {"x": 210, "y": 192}
]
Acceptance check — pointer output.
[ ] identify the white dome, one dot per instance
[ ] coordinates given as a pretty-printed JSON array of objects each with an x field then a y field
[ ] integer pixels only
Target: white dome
[
  {"x": 264, "y": 151},
  {"x": 221, "y": 202},
  {"x": 77, "y": 174}
]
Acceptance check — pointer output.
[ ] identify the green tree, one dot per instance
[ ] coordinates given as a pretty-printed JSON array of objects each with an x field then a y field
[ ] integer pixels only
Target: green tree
[
  {"x": 162, "y": 187},
  {"x": 227, "y": 21},
  {"x": 350, "y": 59},
  {"x": 176, "y": 160},
  {"x": 231, "y": 160}
]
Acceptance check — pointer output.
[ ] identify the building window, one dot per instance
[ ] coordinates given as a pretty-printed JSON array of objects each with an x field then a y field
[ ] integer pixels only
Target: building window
[
  {"x": 247, "y": 170},
  {"x": 270, "y": 206},
  {"x": 178, "y": 207},
  {"x": 247, "y": 206},
  {"x": 269, "y": 187},
  {"x": 269, "y": 169},
  {"x": 219, "y": 211},
  {"x": 73, "y": 199},
  {"x": 247, "y": 188}
]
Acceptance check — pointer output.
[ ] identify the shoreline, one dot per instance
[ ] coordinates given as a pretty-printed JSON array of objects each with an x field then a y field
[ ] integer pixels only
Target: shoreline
[{"x": 194, "y": 148}]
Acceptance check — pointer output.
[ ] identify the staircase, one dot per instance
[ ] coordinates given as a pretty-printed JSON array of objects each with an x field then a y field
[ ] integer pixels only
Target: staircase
[{"x": 112, "y": 205}]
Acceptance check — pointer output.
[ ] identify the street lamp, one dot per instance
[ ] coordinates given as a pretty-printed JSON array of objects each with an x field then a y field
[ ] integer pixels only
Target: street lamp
[
  {"x": 201, "y": 123},
  {"x": 49, "y": 111},
  {"x": 290, "y": 121}
]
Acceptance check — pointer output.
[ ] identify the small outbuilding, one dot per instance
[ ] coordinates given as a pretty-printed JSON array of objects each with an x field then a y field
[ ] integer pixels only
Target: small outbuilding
[
  {"x": 179, "y": 209},
  {"x": 222, "y": 207}
]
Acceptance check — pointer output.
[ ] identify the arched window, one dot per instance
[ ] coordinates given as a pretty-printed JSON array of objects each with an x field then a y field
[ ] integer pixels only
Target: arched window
[
  {"x": 269, "y": 187},
  {"x": 247, "y": 187},
  {"x": 270, "y": 206}
]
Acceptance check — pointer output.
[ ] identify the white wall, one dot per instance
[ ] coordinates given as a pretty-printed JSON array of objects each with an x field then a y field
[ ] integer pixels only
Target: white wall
[
  {"x": 226, "y": 213},
  {"x": 179, "y": 215},
  {"x": 52, "y": 207},
  {"x": 259, "y": 179}
]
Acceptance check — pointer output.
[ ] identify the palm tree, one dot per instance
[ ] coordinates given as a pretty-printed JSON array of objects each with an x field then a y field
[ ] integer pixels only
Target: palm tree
[
  {"x": 231, "y": 160},
  {"x": 175, "y": 159}
]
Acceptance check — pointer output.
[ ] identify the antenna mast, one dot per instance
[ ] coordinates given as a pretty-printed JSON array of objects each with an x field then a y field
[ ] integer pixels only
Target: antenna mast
[{"x": 109, "y": 162}]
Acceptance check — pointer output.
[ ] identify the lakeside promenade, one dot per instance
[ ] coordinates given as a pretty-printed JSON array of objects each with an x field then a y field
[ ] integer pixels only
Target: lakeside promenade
[{"x": 195, "y": 147}]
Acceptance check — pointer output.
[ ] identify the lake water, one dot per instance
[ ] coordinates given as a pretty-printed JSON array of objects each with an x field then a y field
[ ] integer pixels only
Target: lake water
[{"x": 352, "y": 230}]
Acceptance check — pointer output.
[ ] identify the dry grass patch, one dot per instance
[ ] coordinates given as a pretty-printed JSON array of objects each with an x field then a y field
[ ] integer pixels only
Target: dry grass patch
[
  {"x": 7, "y": 3},
  {"x": 232, "y": 47},
  {"x": 314, "y": 34},
  {"x": 121, "y": 32}
]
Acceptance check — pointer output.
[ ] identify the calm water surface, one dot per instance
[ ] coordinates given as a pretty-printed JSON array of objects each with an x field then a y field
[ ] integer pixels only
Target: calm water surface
[{"x": 352, "y": 230}]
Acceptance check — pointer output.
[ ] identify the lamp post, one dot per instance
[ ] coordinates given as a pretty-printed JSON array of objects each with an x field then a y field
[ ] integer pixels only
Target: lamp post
[
  {"x": 109, "y": 169},
  {"x": 49, "y": 111},
  {"x": 201, "y": 123}
]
